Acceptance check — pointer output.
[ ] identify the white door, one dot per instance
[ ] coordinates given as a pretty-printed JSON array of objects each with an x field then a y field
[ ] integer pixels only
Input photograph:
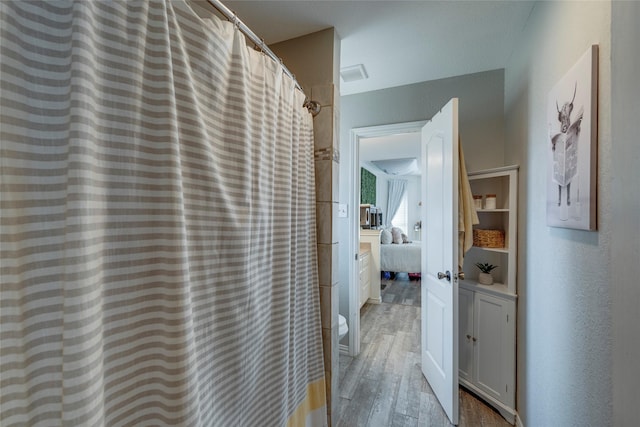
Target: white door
[{"x": 440, "y": 256}]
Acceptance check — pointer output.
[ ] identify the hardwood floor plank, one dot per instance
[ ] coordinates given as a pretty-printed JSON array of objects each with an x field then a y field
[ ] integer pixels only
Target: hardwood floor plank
[
  {"x": 408, "y": 401},
  {"x": 400, "y": 420},
  {"x": 415, "y": 328},
  {"x": 355, "y": 371},
  {"x": 431, "y": 413},
  {"x": 416, "y": 382},
  {"x": 468, "y": 410},
  {"x": 343, "y": 404},
  {"x": 397, "y": 353},
  {"x": 358, "y": 410},
  {"x": 383, "y": 405},
  {"x": 381, "y": 347},
  {"x": 405, "y": 292}
]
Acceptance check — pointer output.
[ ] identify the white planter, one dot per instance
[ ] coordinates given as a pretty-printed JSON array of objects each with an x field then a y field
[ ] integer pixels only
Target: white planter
[{"x": 485, "y": 279}]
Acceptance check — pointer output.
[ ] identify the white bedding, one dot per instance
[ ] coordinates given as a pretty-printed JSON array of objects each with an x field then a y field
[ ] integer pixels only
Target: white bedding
[{"x": 401, "y": 257}]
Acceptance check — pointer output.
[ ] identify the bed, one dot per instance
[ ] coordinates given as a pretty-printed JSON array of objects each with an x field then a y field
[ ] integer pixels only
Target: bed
[{"x": 401, "y": 257}]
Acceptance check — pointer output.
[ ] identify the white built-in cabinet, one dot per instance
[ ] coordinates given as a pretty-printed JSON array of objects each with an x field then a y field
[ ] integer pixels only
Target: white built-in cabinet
[
  {"x": 487, "y": 347},
  {"x": 487, "y": 322}
]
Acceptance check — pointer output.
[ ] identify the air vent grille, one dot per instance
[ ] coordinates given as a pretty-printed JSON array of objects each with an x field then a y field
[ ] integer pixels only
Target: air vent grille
[{"x": 353, "y": 73}]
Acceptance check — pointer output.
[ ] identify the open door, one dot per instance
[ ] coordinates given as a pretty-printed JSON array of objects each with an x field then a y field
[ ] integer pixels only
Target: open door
[{"x": 440, "y": 257}]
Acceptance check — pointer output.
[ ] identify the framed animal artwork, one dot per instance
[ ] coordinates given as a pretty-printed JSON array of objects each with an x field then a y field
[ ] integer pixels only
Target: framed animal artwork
[{"x": 572, "y": 147}]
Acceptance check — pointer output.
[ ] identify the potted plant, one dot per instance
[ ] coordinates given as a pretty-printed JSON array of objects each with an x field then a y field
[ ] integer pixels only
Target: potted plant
[{"x": 485, "y": 277}]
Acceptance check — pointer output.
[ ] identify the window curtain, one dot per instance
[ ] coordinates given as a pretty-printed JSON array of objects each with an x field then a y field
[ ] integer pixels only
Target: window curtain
[
  {"x": 397, "y": 187},
  {"x": 157, "y": 223}
]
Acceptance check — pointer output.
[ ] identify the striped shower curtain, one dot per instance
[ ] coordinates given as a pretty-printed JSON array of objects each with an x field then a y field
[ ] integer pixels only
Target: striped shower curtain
[{"x": 158, "y": 248}]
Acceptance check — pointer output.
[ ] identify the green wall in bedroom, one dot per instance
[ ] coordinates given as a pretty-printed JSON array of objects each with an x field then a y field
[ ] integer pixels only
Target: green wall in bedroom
[{"x": 367, "y": 187}]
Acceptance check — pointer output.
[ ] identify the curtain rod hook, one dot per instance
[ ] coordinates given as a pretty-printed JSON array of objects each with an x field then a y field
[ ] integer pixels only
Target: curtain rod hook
[
  {"x": 313, "y": 106},
  {"x": 235, "y": 20}
]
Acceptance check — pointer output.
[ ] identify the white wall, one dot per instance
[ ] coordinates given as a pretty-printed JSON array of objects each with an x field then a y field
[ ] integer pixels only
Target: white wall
[
  {"x": 481, "y": 131},
  {"x": 564, "y": 317},
  {"x": 625, "y": 240}
]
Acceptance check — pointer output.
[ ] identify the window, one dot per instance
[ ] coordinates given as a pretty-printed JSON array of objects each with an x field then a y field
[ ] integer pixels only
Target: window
[{"x": 401, "y": 218}]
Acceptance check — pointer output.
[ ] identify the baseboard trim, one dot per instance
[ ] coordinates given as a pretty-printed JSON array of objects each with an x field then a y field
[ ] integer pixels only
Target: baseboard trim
[
  {"x": 374, "y": 300},
  {"x": 519, "y": 422}
]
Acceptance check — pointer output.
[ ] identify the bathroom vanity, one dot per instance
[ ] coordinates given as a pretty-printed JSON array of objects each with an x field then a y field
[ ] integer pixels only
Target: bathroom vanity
[{"x": 370, "y": 239}]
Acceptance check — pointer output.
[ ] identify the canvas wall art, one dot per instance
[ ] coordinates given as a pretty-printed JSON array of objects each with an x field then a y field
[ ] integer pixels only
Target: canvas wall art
[
  {"x": 367, "y": 187},
  {"x": 572, "y": 119}
]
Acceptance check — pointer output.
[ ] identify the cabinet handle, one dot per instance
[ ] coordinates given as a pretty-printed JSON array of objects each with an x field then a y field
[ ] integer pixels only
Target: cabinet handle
[
  {"x": 475, "y": 339},
  {"x": 468, "y": 336}
]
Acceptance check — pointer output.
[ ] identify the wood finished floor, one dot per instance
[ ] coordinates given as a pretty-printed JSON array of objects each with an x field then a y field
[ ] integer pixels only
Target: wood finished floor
[{"x": 383, "y": 386}]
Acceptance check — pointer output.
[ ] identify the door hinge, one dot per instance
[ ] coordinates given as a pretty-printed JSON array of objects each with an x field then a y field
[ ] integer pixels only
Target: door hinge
[
  {"x": 507, "y": 318},
  {"x": 356, "y": 257}
]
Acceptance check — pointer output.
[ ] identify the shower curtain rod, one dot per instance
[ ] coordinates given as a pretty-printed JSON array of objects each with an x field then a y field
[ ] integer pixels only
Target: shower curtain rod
[{"x": 312, "y": 106}]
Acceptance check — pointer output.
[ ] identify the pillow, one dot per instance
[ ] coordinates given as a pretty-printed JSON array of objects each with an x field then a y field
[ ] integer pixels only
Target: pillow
[
  {"x": 385, "y": 237},
  {"x": 396, "y": 234},
  {"x": 405, "y": 238}
]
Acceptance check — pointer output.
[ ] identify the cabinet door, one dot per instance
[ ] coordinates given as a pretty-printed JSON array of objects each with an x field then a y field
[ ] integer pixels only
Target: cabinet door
[
  {"x": 465, "y": 334},
  {"x": 494, "y": 346},
  {"x": 365, "y": 278}
]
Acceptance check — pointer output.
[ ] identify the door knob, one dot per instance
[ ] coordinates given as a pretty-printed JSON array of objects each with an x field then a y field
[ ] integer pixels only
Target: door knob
[
  {"x": 446, "y": 275},
  {"x": 461, "y": 275}
]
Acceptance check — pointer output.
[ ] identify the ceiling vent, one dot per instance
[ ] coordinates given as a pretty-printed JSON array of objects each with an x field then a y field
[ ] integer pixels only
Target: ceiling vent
[{"x": 353, "y": 73}]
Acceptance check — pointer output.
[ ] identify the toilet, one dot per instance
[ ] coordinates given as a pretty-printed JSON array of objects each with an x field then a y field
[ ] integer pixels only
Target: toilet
[{"x": 342, "y": 326}]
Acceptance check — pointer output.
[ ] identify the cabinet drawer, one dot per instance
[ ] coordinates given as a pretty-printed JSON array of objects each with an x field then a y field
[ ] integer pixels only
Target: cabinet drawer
[
  {"x": 365, "y": 279},
  {"x": 364, "y": 260}
]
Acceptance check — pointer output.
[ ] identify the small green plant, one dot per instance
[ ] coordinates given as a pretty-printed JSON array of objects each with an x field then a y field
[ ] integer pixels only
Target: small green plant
[{"x": 486, "y": 267}]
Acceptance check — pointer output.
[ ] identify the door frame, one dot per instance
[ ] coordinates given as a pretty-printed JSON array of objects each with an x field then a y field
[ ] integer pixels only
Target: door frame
[{"x": 356, "y": 135}]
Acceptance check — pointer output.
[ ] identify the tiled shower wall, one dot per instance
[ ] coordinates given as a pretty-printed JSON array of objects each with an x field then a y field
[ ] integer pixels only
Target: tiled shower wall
[
  {"x": 315, "y": 61},
  {"x": 326, "y": 163}
]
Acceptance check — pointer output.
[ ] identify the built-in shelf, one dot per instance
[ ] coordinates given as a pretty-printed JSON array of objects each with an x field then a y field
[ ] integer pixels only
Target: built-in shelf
[
  {"x": 503, "y": 183},
  {"x": 499, "y": 250},
  {"x": 487, "y": 313},
  {"x": 491, "y": 210}
]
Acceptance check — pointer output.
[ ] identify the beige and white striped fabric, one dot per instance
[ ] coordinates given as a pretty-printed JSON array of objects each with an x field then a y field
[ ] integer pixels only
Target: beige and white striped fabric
[{"x": 157, "y": 223}]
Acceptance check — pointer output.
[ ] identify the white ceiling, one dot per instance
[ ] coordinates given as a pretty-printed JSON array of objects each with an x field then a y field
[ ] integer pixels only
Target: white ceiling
[
  {"x": 399, "y": 42},
  {"x": 399, "y": 146}
]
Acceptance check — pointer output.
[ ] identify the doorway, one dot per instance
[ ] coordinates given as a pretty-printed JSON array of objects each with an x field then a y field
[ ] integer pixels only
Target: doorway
[{"x": 357, "y": 137}]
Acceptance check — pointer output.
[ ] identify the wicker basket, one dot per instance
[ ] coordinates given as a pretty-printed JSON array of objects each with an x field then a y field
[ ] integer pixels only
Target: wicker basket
[{"x": 488, "y": 238}]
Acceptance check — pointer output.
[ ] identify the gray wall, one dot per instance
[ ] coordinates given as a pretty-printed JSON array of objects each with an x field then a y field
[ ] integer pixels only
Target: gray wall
[
  {"x": 564, "y": 316},
  {"x": 625, "y": 240},
  {"x": 481, "y": 131}
]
